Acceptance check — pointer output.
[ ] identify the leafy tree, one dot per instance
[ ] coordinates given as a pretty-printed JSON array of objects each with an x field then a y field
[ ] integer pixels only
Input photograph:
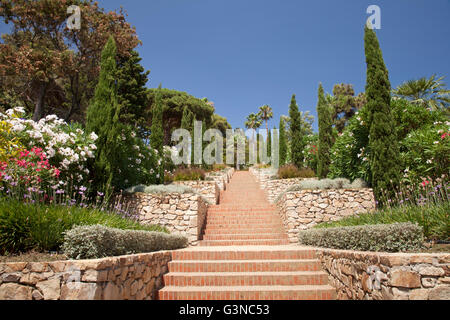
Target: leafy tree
[
  {"x": 103, "y": 119},
  {"x": 50, "y": 66},
  {"x": 220, "y": 123},
  {"x": 344, "y": 104},
  {"x": 283, "y": 142},
  {"x": 265, "y": 114},
  {"x": 430, "y": 93},
  {"x": 384, "y": 156},
  {"x": 296, "y": 134},
  {"x": 175, "y": 103},
  {"x": 325, "y": 135}
]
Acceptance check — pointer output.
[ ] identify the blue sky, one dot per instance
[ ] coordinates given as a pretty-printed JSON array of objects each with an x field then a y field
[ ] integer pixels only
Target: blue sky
[{"x": 244, "y": 54}]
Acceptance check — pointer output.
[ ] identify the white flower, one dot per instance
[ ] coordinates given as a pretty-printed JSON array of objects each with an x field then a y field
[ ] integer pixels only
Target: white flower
[
  {"x": 18, "y": 127},
  {"x": 93, "y": 136},
  {"x": 50, "y": 152},
  {"x": 429, "y": 161},
  {"x": 93, "y": 146}
]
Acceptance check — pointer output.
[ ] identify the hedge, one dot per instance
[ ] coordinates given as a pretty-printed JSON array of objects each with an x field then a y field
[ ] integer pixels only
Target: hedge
[
  {"x": 399, "y": 237},
  {"x": 93, "y": 242}
]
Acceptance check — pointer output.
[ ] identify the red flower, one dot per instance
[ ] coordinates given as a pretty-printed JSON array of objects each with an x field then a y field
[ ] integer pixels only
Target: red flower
[{"x": 57, "y": 173}]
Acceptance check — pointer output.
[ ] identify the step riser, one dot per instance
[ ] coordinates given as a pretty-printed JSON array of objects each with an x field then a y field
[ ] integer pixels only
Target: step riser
[
  {"x": 241, "y": 231},
  {"x": 244, "y": 255},
  {"x": 239, "y": 295},
  {"x": 245, "y": 236},
  {"x": 216, "y": 243},
  {"x": 257, "y": 280},
  {"x": 223, "y": 266}
]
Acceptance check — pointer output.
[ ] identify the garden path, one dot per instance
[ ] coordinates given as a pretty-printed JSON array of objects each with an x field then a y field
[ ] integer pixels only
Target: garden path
[{"x": 245, "y": 255}]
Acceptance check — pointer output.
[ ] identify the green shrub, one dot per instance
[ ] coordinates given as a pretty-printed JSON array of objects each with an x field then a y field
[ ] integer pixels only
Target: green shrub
[
  {"x": 189, "y": 174},
  {"x": 291, "y": 171},
  {"x": 398, "y": 237},
  {"x": 25, "y": 227},
  {"x": 433, "y": 218},
  {"x": 219, "y": 167},
  {"x": 93, "y": 242}
]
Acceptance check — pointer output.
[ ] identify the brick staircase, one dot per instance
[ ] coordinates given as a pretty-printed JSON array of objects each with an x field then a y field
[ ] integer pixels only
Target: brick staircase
[{"x": 245, "y": 255}]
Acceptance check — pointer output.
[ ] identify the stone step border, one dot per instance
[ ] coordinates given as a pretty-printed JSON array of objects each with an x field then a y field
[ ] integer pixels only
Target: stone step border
[
  {"x": 354, "y": 274},
  {"x": 387, "y": 276},
  {"x": 133, "y": 277}
]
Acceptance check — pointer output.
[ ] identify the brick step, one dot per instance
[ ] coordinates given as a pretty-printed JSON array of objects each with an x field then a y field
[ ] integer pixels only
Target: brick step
[
  {"x": 287, "y": 278},
  {"x": 324, "y": 292},
  {"x": 260, "y": 242},
  {"x": 254, "y": 236},
  {"x": 249, "y": 230},
  {"x": 227, "y": 213},
  {"x": 242, "y": 208},
  {"x": 243, "y": 220},
  {"x": 250, "y": 253},
  {"x": 245, "y": 228}
]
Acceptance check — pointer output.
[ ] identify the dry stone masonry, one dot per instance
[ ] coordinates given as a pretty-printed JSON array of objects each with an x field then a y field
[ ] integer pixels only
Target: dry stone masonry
[
  {"x": 304, "y": 209},
  {"x": 208, "y": 189},
  {"x": 180, "y": 213},
  {"x": 387, "y": 276},
  {"x": 274, "y": 188},
  {"x": 134, "y": 277}
]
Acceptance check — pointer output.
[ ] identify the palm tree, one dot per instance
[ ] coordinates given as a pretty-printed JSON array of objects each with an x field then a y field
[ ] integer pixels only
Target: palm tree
[
  {"x": 253, "y": 122},
  {"x": 430, "y": 92},
  {"x": 265, "y": 114}
]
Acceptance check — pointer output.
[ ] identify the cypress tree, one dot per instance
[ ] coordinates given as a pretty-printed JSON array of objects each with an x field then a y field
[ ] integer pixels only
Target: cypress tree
[
  {"x": 157, "y": 131},
  {"x": 187, "y": 123},
  {"x": 103, "y": 119},
  {"x": 384, "y": 150},
  {"x": 296, "y": 134},
  {"x": 325, "y": 135},
  {"x": 283, "y": 144},
  {"x": 132, "y": 92},
  {"x": 269, "y": 143}
]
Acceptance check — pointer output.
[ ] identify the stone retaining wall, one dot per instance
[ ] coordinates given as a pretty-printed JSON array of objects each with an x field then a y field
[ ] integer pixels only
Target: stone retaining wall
[
  {"x": 304, "y": 209},
  {"x": 134, "y": 277},
  {"x": 208, "y": 189},
  {"x": 273, "y": 188},
  {"x": 183, "y": 214},
  {"x": 387, "y": 276}
]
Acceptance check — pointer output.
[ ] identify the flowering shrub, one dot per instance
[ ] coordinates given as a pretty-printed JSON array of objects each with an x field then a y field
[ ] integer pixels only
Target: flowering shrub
[
  {"x": 9, "y": 145},
  {"x": 138, "y": 162},
  {"x": 65, "y": 146},
  {"x": 28, "y": 173},
  {"x": 427, "y": 152},
  {"x": 350, "y": 153},
  {"x": 311, "y": 151}
]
